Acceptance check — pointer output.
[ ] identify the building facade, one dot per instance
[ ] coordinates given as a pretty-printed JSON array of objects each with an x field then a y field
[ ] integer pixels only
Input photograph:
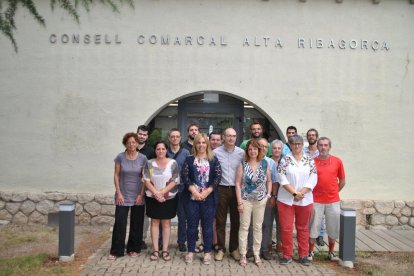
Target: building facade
[{"x": 343, "y": 67}]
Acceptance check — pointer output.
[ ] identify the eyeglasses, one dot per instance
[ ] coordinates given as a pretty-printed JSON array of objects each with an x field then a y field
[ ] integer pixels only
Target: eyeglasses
[{"x": 296, "y": 144}]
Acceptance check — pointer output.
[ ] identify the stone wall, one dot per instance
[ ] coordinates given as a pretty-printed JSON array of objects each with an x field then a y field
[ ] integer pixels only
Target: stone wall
[{"x": 33, "y": 208}]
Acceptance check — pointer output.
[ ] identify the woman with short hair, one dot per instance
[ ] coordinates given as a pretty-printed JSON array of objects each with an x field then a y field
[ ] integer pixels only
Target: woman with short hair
[
  {"x": 129, "y": 195},
  {"x": 297, "y": 175}
]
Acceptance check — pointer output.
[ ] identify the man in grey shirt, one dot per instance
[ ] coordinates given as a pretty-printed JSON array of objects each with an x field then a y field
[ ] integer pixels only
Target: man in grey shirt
[{"x": 230, "y": 157}]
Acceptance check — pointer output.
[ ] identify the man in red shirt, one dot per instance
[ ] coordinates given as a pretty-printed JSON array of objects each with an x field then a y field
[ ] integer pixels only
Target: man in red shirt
[{"x": 331, "y": 180}]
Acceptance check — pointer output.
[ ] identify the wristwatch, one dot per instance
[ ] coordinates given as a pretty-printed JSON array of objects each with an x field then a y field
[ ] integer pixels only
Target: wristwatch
[{"x": 295, "y": 194}]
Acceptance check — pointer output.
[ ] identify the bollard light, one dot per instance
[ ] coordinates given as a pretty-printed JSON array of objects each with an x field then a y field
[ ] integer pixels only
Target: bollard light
[
  {"x": 347, "y": 237},
  {"x": 66, "y": 232}
]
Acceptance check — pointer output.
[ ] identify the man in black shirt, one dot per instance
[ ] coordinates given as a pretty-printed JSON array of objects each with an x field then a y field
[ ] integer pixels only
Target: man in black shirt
[{"x": 192, "y": 130}]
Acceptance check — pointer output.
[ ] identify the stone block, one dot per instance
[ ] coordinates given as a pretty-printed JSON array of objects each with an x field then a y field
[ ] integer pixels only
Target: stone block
[
  {"x": 406, "y": 211},
  {"x": 92, "y": 208},
  {"x": 377, "y": 219},
  {"x": 84, "y": 219},
  {"x": 368, "y": 203},
  {"x": 72, "y": 197},
  {"x": 105, "y": 199},
  {"x": 84, "y": 198},
  {"x": 391, "y": 220},
  {"x": 411, "y": 222},
  {"x": 45, "y": 206},
  {"x": 78, "y": 209},
  {"x": 19, "y": 197},
  {"x": 369, "y": 211},
  {"x": 352, "y": 203},
  {"x": 410, "y": 203},
  {"x": 103, "y": 220},
  {"x": 399, "y": 203},
  {"x": 2, "y": 204},
  {"x": 396, "y": 212},
  {"x": 6, "y": 196},
  {"x": 13, "y": 207},
  {"x": 108, "y": 210},
  {"x": 55, "y": 196},
  {"x": 384, "y": 207},
  {"x": 27, "y": 207},
  {"x": 19, "y": 219},
  {"x": 37, "y": 218},
  {"x": 5, "y": 215},
  {"x": 403, "y": 220},
  {"x": 36, "y": 197}
]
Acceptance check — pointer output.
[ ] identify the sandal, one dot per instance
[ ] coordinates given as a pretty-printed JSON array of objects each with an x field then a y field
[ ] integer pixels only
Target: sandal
[
  {"x": 154, "y": 256},
  {"x": 257, "y": 260},
  {"x": 111, "y": 257},
  {"x": 207, "y": 258},
  {"x": 165, "y": 256},
  {"x": 133, "y": 254},
  {"x": 199, "y": 248},
  {"x": 188, "y": 258},
  {"x": 243, "y": 260}
]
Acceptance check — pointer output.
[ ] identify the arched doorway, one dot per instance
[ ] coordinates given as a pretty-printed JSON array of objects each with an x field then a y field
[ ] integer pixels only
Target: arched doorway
[{"x": 212, "y": 111}]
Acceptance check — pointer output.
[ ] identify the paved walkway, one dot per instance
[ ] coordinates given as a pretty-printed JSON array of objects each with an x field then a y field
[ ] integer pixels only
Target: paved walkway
[
  {"x": 142, "y": 265},
  {"x": 367, "y": 240}
]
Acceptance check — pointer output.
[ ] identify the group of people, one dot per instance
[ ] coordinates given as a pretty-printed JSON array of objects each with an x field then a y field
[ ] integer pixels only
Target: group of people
[{"x": 205, "y": 178}]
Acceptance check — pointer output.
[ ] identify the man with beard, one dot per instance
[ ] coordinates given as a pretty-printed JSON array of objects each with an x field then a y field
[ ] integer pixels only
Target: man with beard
[
  {"x": 331, "y": 180},
  {"x": 256, "y": 132},
  {"x": 192, "y": 130},
  {"x": 312, "y": 136},
  {"x": 143, "y": 148},
  {"x": 290, "y": 131}
]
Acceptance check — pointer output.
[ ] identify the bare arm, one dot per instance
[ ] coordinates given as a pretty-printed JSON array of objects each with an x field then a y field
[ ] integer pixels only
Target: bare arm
[
  {"x": 119, "y": 196},
  {"x": 239, "y": 175}
]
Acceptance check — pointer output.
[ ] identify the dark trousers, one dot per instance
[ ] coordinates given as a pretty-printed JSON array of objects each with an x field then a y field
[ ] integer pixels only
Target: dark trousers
[
  {"x": 182, "y": 221},
  {"x": 204, "y": 211},
  {"x": 136, "y": 225},
  {"x": 227, "y": 202}
]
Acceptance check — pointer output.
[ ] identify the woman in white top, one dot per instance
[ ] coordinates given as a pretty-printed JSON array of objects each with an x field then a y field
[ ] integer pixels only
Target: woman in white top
[{"x": 297, "y": 175}]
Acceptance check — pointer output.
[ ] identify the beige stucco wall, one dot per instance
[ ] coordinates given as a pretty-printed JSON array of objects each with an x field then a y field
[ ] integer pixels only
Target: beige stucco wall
[{"x": 65, "y": 107}]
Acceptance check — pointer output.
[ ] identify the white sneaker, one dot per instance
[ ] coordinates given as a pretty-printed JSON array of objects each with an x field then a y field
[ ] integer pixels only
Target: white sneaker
[
  {"x": 332, "y": 257},
  {"x": 219, "y": 255},
  {"x": 310, "y": 256}
]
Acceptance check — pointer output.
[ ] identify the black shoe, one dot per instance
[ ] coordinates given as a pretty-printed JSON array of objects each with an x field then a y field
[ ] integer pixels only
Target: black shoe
[
  {"x": 319, "y": 241},
  {"x": 285, "y": 261},
  {"x": 249, "y": 253},
  {"x": 266, "y": 255},
  {"x": 182, "y": 247},
  {"x": 304, "y": 261},
  {"x": 144, "y": 245}
]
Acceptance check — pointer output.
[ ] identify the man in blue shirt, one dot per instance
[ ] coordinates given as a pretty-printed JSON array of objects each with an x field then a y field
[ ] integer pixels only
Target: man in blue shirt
[{"x": 178, "y": 153}]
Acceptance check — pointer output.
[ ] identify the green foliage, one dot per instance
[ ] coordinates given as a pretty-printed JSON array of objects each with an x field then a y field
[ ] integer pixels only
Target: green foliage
[
  {"x": 27, "y": 265},
  {"x": 8, "y": 9}
]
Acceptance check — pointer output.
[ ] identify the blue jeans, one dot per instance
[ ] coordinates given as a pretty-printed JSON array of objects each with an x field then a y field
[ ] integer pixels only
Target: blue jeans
[{"x": 182, "y": 221}]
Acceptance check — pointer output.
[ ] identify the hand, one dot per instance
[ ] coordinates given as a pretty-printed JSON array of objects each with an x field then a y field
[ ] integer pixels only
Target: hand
[
  {"x": 159, "y": 196},
  {"x": 119, "y": 199},
  {"x": 198, "y": 196},
  {"x": 205, "y": 194},
  {"x": 139, "y": 200},
  {"x": 240, "y": 208}
]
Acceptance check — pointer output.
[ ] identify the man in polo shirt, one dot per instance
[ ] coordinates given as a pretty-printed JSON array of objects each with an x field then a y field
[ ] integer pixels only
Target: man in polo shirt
[
  {"x": 331, "y": 180},
  {"x": 230, "y": 157},
  {"x": 179, "y": 154}
]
